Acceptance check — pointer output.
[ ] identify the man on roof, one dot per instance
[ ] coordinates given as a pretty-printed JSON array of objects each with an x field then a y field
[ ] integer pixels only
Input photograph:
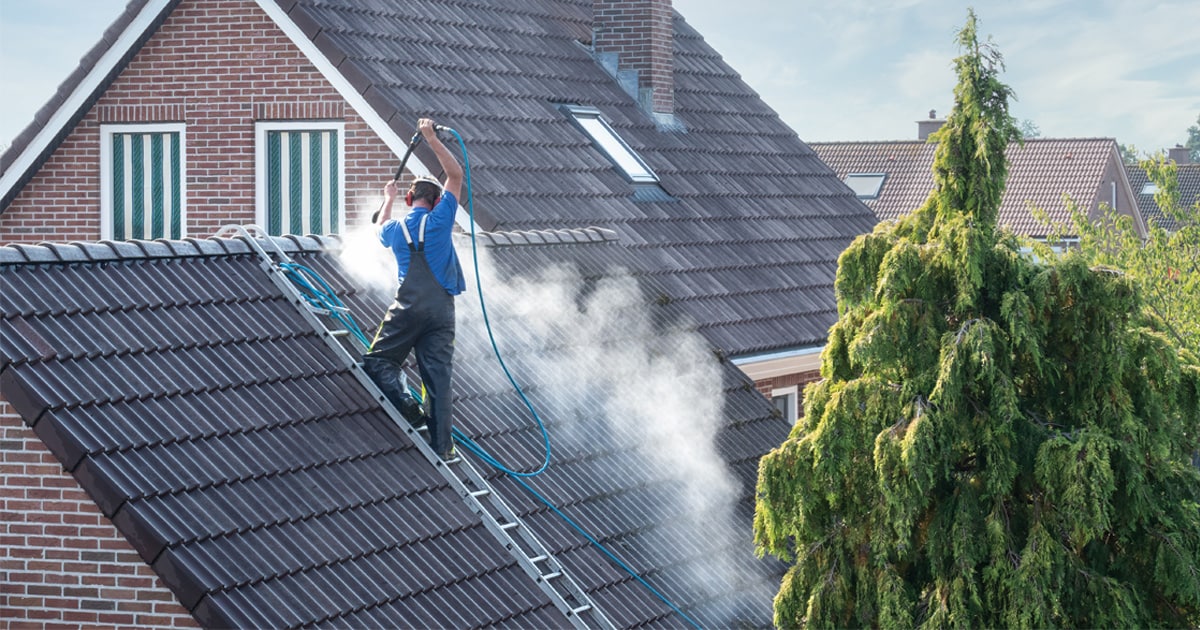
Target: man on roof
[{"x": 422, "y": 316}]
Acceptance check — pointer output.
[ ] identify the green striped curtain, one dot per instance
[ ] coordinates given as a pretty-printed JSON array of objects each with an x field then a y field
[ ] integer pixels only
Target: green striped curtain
[
  {"x": 147, "y": 183},
  {"x": 302, "y": 182}
]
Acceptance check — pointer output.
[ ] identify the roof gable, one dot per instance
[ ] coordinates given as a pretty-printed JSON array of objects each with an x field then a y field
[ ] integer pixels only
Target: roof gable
[
  {"x": 1041, "y": 172},
  {"x": 743, "y": 192},
  {"x": 1189, "y": 193}
]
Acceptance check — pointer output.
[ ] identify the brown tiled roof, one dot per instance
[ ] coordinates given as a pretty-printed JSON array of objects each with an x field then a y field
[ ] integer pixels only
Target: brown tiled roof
[{"x": 1040, "y": 173}]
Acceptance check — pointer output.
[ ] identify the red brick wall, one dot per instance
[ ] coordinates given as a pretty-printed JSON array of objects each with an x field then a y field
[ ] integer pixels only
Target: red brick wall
[
  {"x": 215, "y": 65},
  {"x": 766, "y": 386},
  {"x": 63, "y": 563},
  {"x": 642, "y": 34}
]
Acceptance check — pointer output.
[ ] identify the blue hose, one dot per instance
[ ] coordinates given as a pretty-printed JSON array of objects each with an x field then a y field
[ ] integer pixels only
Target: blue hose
[
  {"x": 321, "y": 295},
  {"x": 459, "y": 436},
  {"x": 472, "y": 446}
]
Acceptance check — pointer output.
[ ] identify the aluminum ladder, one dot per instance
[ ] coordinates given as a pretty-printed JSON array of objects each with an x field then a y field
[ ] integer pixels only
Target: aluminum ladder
[{"x": 496, "y": 515}]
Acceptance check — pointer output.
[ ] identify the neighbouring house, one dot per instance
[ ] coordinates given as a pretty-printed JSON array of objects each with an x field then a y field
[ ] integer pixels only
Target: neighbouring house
[
  {"x": 1188, "y": 173},
  {"x": 619, "y": 153},
  {"x": 895, "y": 177}
]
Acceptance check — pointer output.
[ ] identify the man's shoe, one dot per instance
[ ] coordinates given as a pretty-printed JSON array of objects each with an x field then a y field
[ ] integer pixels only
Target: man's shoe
[
  {"x": 449, "y": 455},
  {"x": 411, "y": 410}
]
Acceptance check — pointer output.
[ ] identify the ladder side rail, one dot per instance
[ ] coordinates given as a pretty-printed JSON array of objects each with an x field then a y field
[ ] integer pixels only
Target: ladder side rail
[{"x": 528, "y": 561}]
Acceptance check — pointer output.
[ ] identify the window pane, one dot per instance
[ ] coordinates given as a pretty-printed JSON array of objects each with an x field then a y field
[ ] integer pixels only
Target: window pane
[
  {"x": 612, "y": 145},
  {"x": 866, "y": 185},
  {"x": 146, "y": 177},
  {"x": 301, "y": 179}
]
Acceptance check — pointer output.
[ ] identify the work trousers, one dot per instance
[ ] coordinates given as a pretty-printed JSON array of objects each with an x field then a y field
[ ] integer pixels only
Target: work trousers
[{"x": 421, "y": 319}]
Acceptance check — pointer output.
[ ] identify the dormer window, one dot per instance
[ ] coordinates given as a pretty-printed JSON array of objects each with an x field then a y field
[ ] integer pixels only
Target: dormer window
[
  {"x": 1149, "y": 188},
  {"x": 611, "y": 145},
  {"x": 866, "y": 185}
]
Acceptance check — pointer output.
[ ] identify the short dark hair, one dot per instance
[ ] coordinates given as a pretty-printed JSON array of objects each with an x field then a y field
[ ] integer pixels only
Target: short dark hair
[{"x": 428, "y": 189}]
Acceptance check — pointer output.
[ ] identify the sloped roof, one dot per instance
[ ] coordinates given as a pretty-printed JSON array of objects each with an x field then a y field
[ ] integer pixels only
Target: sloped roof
[
  {"x": 1039, "y": 174},
  {"x": 751, "y": 235},
  {"x": 1189, "y": 193},
  {"x": 265, "y": 485}
]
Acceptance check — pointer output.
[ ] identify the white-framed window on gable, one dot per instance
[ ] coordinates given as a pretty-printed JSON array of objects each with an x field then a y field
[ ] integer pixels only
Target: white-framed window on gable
[
  {"x": 787, "y": 402},
  {"x": 299, "y": 177},
  {"x": 143, "y": 184}
]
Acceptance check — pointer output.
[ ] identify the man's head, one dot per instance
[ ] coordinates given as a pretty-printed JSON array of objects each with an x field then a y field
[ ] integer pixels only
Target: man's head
[{"x": 424, "y": 187}]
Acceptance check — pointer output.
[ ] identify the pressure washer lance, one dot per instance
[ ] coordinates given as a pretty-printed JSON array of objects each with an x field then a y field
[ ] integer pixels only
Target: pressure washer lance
[{"x": 412, "y": 144}]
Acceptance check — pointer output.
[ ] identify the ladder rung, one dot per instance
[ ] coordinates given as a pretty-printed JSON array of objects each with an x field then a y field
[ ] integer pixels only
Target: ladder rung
[
  {"x": 539, "y": 559},
  {"x": 551, "y": 576},
  {"x": 339, "y": 333},
  {"x": 584, "y": 608},
  {"x": 481, "y": 493},
  {"x": 508, "y": 526}
]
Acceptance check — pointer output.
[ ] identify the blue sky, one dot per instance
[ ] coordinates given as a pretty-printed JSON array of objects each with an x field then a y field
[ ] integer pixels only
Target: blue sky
[{"x": 846, "y": 70}]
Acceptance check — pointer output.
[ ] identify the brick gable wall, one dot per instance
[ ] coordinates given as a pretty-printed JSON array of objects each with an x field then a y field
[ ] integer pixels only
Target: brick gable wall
[
  {"x": 63, "y": 563},
  {"x": 217, "y": 66}
]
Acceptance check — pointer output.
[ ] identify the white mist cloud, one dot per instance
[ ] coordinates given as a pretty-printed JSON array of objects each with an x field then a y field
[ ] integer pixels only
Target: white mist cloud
[
  {"x": 600, "y": 376},
  {"x": 597, "y": 378}
]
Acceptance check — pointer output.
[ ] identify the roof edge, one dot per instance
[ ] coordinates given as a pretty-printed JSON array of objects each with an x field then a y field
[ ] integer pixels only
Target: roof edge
[
  {"x": 99, "y": 251},
  {"x": 548, "y": 237}
]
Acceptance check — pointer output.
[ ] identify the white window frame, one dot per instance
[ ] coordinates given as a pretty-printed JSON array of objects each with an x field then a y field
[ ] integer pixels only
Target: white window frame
[
  {"x": 863, "y": 176},
  {"x": 611, "y": 144},
  {"x": 106, "y": 164},
  {"x": 792, "y": 396},
  {"x": 261, "y": 128}
]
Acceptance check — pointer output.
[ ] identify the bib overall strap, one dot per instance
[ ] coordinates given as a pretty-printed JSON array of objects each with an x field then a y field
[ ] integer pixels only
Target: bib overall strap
[{"x": 420, "y": 245}]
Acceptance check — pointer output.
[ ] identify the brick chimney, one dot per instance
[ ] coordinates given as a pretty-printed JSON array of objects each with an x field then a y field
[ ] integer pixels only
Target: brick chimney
[
  {"x": 1180, "y": 154},
  {"x": 926, "y": 127},
  {"x": 640, "y": 37}
]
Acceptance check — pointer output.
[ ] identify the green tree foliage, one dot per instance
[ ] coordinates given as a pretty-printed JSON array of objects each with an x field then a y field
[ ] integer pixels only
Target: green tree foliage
[
  {"x": 998, "y": 441},
  {"x": 1029, "y": 129},
  {"x": 1165, "y": 266}
]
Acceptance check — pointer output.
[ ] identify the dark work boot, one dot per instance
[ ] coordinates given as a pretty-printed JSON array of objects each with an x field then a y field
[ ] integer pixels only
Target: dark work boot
[
  {"x": 386, "y": 375},
  {"x": 411, "y": 410}
]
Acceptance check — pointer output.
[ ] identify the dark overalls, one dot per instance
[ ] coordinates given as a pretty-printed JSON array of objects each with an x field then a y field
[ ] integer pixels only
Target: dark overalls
[{"x": 421, "y": 318}]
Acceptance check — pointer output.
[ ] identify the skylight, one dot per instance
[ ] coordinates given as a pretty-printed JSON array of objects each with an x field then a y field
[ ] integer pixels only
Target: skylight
[
  {"x": 609, "y": 143},
  {"x": 866, "y": 185},
  {"x": 1150, "y": 188}
]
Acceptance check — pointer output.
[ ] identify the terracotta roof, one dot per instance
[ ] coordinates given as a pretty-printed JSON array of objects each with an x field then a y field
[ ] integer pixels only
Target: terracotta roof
[
  {"x": 1189, "y": 193},
  {"x": 1040, "y": 173},
  {"x": 267, "y": 487}
]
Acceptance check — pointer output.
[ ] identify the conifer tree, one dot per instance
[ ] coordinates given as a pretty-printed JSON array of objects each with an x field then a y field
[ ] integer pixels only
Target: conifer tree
[{"x": 997, "y": 440}]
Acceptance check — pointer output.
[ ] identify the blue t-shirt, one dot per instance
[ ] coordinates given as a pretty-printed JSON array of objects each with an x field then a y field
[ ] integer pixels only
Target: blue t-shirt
[{"x": 439, "y": 246}]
